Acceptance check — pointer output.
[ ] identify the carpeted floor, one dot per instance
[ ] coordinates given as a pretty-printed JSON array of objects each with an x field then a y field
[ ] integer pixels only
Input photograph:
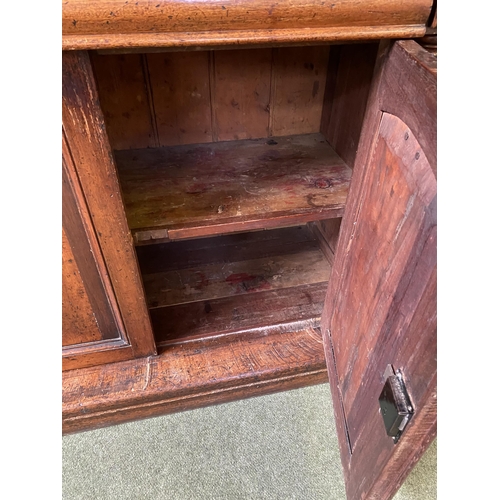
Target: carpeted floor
[{"x": 281, "y": 446}]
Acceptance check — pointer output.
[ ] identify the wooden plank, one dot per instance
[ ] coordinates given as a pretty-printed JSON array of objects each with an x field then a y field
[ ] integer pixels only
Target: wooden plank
[
  {"x": 353, "y": 77},
  {"x": 181, "y": 97},
  {"x": 114, "y": 23},
  {"x": 299, "y": 80},
  {"x": 327, "y": 233},
  {"x": 241, "y": 94},
  {"x": 191, "y": 191},
  {"x": 284, "y": 309},
  {"x": 191, "y": 375},
  {"x": 177, "y": 255},
  {"x": 213, "y": 281},
  {"x": 331, "y": 81},
  {"x": 123, "y": 96}
]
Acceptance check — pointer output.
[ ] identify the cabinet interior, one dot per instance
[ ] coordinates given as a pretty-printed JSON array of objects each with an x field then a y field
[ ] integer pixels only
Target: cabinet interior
[{"x": 234, "y": 167}]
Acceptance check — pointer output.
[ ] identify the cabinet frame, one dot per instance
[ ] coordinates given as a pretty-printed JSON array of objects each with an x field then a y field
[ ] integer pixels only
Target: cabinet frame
[{"x": 140, "y": 383}]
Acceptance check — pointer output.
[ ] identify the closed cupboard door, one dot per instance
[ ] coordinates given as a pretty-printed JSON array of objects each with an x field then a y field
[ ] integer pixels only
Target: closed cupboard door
[
  {"x": 105, "y": 318},
  {"x": 379, "y": 322}
]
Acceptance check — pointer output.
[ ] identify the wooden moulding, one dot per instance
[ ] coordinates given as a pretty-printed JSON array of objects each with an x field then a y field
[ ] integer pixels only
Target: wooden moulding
[
  {"x": 202, "y": 190},
  {"x": 98, "y": 24},
  {"x": 192, "y": 375}
]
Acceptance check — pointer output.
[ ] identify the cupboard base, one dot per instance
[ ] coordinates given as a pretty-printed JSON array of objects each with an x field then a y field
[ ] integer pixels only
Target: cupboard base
[{"x": 192, "y": 375}]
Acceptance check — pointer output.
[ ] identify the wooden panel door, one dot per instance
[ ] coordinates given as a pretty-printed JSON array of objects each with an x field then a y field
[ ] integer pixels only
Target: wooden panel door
[
  {"x": 380, "y": 308},
  {"x": 105, "y": 318}
]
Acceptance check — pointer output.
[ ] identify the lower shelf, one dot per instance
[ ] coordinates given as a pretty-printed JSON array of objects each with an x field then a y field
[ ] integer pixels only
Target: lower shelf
[
  {"x": 192, "y": 375},
  {"x": 269, "y": 280}
]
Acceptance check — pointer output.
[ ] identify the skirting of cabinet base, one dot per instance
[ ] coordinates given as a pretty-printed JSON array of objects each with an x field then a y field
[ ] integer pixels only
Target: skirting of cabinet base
[{"x": 192, "y": 375}]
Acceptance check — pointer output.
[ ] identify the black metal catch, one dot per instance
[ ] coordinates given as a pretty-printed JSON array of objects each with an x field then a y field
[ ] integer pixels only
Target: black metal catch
[{"x": 395, "y": 405}]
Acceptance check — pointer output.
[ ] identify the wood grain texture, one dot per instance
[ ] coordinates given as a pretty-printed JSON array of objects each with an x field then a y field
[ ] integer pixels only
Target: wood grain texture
[
  {"x": 177, "y": 98},
  {"x": 380, "y": 274},
  {"x": 298, "y": 79},
  {"x": 385, "y": 270},
  {"x": 177, "y": 255},
  {"x": 93, "y": 330},
  {"x": 235, "y": 283},
  {"x": 181, "y": 97},
  {"x": 191, "y": 375},
  {"x": 327, "y": 233},
  {"x": 241, "y": 94},
  {"x": 78, "y": 321},
  {"x": 345, "y": 112},
  {"x": 200, "y": 190},
  {"x": 92, "y": 159},
  {"x": 419, "y": 91},
  {"x": 275, "y": 310},
  {"x": 84, "y": 270},
  {"x": 241, "y": 277},
  {"x": 331, "y": 81},
  {"x": 107, "y": 23},
  {"x": 124, "y": 99}
]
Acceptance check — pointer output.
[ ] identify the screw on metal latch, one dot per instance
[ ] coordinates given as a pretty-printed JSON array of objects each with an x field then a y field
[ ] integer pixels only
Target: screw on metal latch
[
  {"x": 407, "y": 135},
  {"x": 417, "y": 155}
]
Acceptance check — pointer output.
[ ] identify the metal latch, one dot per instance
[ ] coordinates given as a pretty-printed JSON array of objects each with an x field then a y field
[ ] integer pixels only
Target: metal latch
[{"x": 395, "y": 406}]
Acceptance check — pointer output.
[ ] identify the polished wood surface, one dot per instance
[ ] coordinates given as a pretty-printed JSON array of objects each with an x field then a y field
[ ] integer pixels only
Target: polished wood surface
[
  {"x": 191, "y": 375},
  {"x": 200, "y": 190},
  {"x": 385, "y": 270},
  {"x": 86, "y": 150},
  {"x": 118, "y": 23}
]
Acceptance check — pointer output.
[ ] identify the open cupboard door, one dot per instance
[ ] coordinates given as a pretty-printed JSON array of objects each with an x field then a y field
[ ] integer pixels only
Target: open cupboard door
[{"x": 379, "y": 321}]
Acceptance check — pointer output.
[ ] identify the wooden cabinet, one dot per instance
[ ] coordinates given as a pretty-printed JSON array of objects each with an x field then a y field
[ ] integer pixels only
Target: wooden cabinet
[{"x": 244, "y": 221}]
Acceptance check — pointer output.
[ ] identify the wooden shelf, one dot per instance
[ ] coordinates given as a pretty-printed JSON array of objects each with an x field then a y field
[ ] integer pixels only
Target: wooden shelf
[
  {"x": 270, "y": 280},
  {"x": 199, "y": 190}
]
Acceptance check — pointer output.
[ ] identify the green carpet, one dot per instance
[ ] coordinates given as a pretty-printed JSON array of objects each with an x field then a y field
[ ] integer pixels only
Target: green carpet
[{"x": 281, "y": 446}]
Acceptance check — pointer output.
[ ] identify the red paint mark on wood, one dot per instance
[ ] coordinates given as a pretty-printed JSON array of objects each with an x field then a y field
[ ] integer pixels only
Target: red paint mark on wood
[
  {"x": 248, "y": 283},
  {"x": 323, "y": 183},
  {"x": 201, "y": 280}
]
